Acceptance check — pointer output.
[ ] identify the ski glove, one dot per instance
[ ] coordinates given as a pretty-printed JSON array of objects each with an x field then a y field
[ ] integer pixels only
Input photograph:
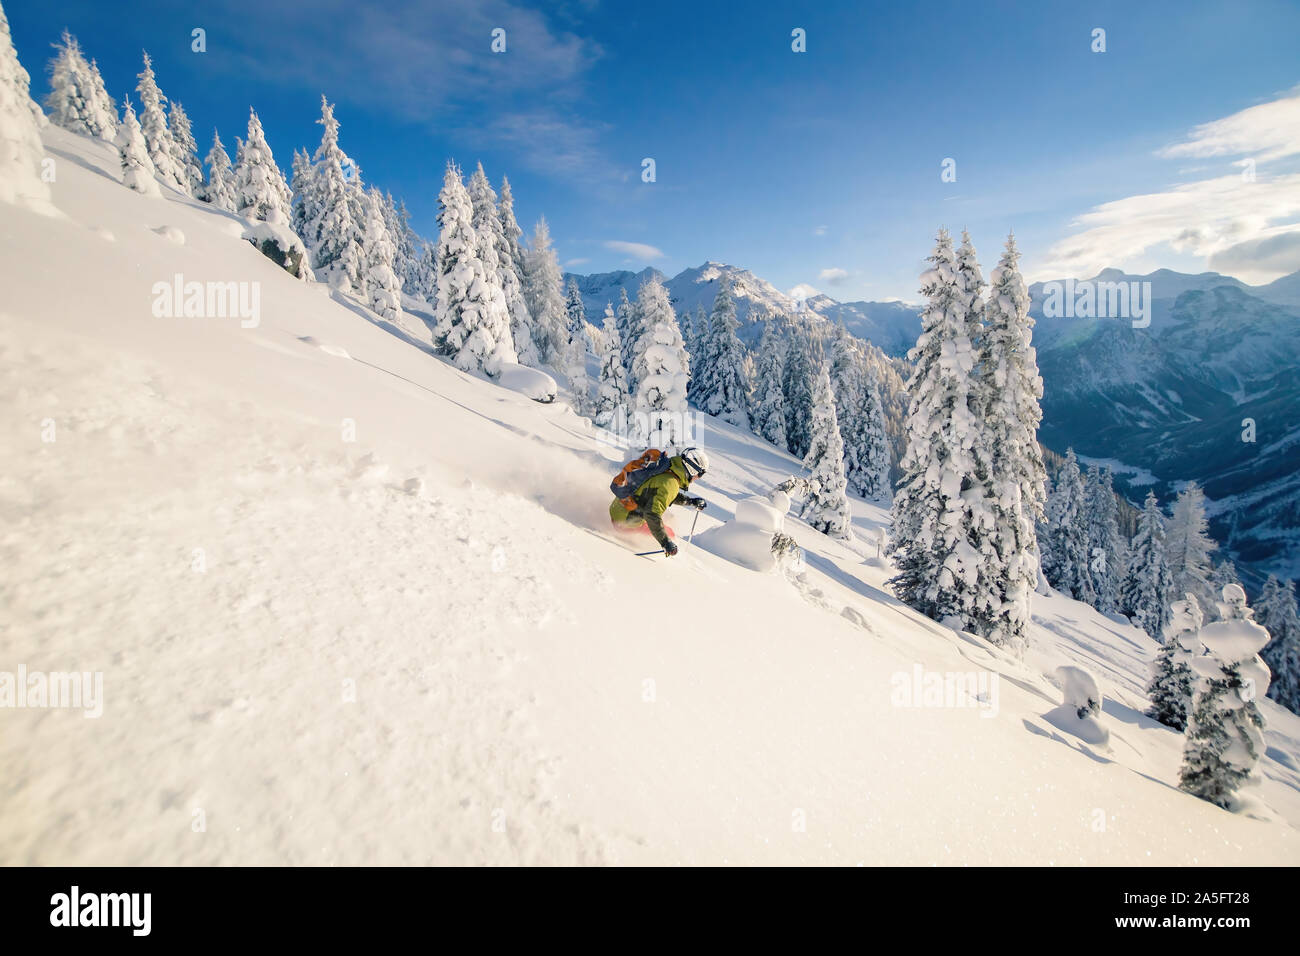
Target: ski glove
[
  {"x": 670, "y": 548},
  {"x": 698, "y": 503}
]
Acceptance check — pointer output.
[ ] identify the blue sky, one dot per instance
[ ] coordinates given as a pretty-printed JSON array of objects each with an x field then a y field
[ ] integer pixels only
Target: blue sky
[{"x": 820, "y": 168}]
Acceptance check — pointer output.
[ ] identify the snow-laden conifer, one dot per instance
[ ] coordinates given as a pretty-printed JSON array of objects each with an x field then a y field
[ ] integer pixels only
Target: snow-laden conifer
[
  {"x": 613, "y": 405},
  {"x": 383, "y": 287},
  {"x": 803, "y": 358},
  {"x": 137, "y": 168},
  {"x": 769, "y": 398},
  {"x": 472, "y": 325},
  {"x": 1107, "y": 553},
  {"x": 661, "y": 369},
  {"x": 186, "y": 150},
  {"x": 1066, "y": 559},
  {"x": 938, "y": 568},
  {"x": 1008, "y": 389},
  {"x": 1188, "y": 547},
  {"x": 157, "y": 135},
  {"x": 71, "y": 102},
  {"x": 723, "y": 390},
  {"x": 104, "y": 109},
  {"x": 1225, "y": 731},
  {"x": 544, "y": 297},
  {"x": 260, "y": 190},
  {"x": 1172, "y": 679},
  {"x": 1144, "y": 592},
  {"x": 827, "y": 505}
]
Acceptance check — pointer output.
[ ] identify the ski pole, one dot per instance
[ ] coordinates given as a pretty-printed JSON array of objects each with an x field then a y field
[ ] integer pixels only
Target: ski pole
[
  {"x": 693, "y": 520},
  {"x": 646, "y": 554}
]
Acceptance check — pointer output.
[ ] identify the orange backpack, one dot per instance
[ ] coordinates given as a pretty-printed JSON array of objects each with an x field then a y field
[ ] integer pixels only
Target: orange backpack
[{"x": 636, "y": 472}]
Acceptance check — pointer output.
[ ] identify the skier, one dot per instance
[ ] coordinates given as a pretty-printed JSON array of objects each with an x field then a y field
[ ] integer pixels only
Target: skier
[{"x": 650, "y": 496}]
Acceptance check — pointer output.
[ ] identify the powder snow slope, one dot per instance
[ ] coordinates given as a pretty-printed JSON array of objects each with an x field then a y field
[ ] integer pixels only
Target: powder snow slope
[{"x": 352, "y": 605}]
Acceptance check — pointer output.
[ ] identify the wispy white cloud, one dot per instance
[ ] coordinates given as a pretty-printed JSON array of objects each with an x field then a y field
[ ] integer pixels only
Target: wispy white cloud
[
  {"x": 431, "y": 61},
  {"x": 576, "y": 262},
  {"x": 835, "y": 276},
  {"x": 548, "y": 142},
  {"x": 639, "y": 251},
  {"x": 819, "y": 231},
  {"x": 1267, "y": 131},
  {"x": 1245, "y": 222}
]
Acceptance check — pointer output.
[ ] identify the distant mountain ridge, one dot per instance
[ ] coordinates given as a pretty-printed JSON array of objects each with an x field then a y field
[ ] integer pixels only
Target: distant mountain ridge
[{"x": 891, "y": 326}]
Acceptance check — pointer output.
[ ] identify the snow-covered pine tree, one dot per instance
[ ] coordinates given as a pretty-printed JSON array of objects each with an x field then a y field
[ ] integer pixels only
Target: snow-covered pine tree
[
  {"x": 1172, "y": 679},
  {"x": 137, "y": 168},
  {"x": 219, "y": 190},
  {"x": 186, "y": 153},
  {"x": 510, "y": 267},
  {"x": 1107, "y": 557},
  {"x": 383, "y": 287},
  {"x": 846, "y": 383},
  {"x": 1276, "y": 611},
  {"x": 487, "y": 226},
  {"x": 575, "y": 351},
  {"x": 661, "y": 370},
  {"x": 1145, "y": 590},
  {"x": 499, "y": 260},
  {"x": 989, "y": 611},
  {"x": 157, "y": 136},
  {"x": 802, "y": 359},
  {"x": 861, "y": 416},
  {"x": 723, "y": 391},
  {"x": 21, "y": 150},
  {"x": 575, "y": 313},
  {"x": 1066, "y": 558},
  {"x": 302, "y": 183},
  {"x": 613, "y": 406},
  {"x": 937, "y": 566},
  {"x": 396, "y": 221},
  {"x": 334, "y": 235},
  {"x": 104, "y": 110},
  {"x": 625, "y": 316},
  {"x": 472, "y": 325},
  {"x": 769, "y": 399},
  {"x": 1188, "y": 546},
  {"x": 690, "y": 338},
  {"x": 696, "y": 336},
  {"x": 427, "y": 272},
  {"x": 1225, "y": 732},
  {"x": 1008, "y": 388},
  {"x": 260, "y": 190},
  {"x": 698, "y": 344},
  {"x": 749, "y": 373},
  {"x": 512, "y": 231},
  {"x": 544, "y": 297},
  {"x": 71, "y": 101},
  {"x": 870, "y": 475},
  {"x": 411, "y": 255},
  {"x": 827, "y": 506}
]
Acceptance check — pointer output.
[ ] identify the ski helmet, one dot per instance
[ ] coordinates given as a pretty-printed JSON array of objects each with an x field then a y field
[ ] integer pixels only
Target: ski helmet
[{"x": 696, "y": 462}]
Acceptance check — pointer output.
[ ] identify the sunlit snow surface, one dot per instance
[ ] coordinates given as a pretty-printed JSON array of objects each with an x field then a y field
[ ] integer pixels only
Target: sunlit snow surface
[{"x": 349, "y": 608}]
